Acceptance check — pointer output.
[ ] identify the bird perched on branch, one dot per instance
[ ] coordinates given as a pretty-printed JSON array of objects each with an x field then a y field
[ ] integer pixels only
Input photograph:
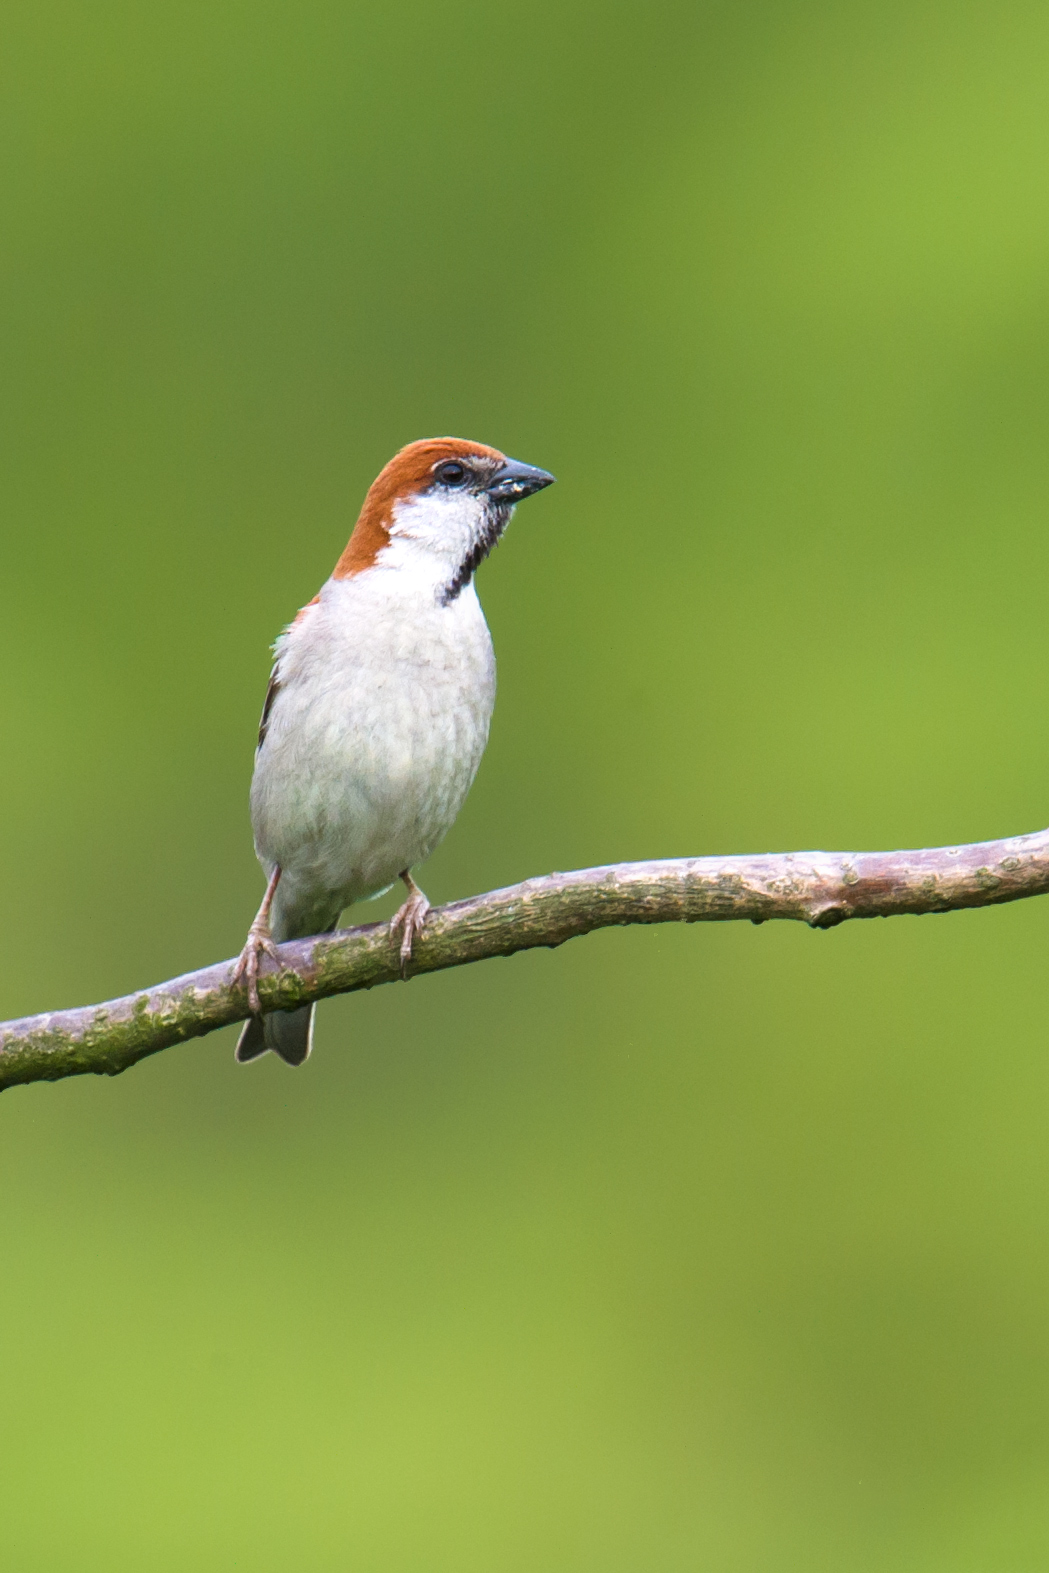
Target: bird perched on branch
[{"x": 377, "y": 711}]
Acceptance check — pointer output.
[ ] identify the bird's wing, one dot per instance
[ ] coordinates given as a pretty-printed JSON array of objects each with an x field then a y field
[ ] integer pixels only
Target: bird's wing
[
  {"x": 274, "y": 683},
  {"x": 267, "y": 705}
]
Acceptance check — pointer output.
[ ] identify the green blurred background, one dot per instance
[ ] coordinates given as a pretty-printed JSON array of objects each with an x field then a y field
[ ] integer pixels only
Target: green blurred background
[{"x": 712, "y": 1249}]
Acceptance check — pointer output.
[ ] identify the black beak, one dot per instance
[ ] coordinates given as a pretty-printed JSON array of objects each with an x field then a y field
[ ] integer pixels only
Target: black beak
[{"x": 514, "y": 480}]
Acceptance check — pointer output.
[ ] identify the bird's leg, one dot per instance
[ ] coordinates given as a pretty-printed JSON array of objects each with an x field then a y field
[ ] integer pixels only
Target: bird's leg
[
  {"x": 410, "y": 918},
  {"x": 258, "y": 943}
]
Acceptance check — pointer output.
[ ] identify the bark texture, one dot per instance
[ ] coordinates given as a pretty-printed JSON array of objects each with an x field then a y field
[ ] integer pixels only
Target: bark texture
[{"x": 819, "y": 888}]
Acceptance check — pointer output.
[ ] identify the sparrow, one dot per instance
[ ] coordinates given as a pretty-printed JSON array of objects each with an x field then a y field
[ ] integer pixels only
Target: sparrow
[{"x": 377, "y": 711}]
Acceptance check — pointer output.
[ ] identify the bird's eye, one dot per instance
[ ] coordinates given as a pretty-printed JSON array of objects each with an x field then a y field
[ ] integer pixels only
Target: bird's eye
[{"x": 451, "y": 473}]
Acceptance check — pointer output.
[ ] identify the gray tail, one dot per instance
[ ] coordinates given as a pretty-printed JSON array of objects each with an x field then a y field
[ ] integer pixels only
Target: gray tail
[{"x": 289, "y": 1033}]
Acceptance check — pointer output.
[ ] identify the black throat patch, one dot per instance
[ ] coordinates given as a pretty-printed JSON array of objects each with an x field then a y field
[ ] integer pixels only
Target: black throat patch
[{"x": 496, "y": 518}]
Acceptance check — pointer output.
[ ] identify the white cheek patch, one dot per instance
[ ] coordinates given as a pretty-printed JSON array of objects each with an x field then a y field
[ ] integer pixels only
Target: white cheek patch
[{"x": 444, "y": 522}]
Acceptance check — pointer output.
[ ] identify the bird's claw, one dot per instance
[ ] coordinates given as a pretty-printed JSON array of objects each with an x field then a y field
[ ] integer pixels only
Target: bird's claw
[
  {"x": 246, "y": 970},
  {"x": 411, "y": 919}
]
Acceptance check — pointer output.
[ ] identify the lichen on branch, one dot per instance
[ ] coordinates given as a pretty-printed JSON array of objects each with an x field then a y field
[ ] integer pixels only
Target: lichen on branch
[{"x": 822, "y": 889}]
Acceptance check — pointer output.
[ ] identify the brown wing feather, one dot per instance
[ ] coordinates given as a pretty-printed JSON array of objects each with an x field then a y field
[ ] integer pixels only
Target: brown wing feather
[
  {"x": 267, "y": 705},
  {"x": 274, "y": 684}
]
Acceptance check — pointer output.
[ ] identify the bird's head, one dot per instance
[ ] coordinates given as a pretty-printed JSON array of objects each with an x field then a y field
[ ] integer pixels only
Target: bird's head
[{"x": 437, "y": 509}]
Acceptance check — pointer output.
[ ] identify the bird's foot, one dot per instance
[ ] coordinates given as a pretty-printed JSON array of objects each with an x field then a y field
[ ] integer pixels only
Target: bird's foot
[
  {"x": 259, "y": 943},
  {"x": 410, "y": 919}
]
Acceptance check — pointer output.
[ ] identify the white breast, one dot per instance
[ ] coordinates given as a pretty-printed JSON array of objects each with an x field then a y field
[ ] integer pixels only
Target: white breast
[{"x": 372, "y": 742}]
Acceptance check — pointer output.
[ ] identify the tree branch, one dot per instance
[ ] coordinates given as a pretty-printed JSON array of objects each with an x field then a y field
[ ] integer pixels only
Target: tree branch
[{"x": 819, "y": 888}]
